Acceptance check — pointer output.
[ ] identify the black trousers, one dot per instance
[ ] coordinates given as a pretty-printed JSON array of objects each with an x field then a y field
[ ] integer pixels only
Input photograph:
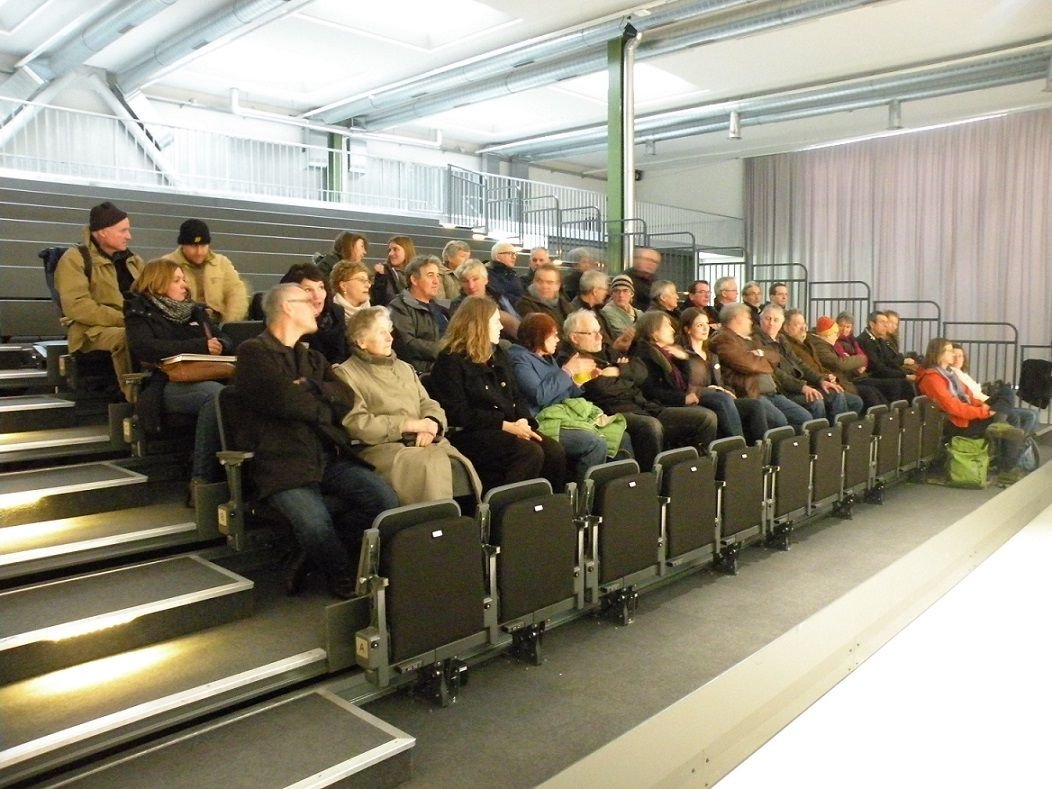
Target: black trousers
[{"x": 501, "y": 458}]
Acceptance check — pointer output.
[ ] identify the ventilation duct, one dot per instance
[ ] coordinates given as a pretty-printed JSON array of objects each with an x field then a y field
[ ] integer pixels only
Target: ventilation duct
[
  {"x": 854, "y": 95},
  {"x": 479, "y": 82}
]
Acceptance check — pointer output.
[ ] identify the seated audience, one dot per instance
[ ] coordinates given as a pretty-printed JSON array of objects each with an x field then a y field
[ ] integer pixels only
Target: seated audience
[
  {"x": 161, "y": 321},
  {"x": 544, "y": 385},
  {"x": 473, "y": 382},
  {"x": 543, "y": 295},
  {"x": 884, "y": 362},
  {"x": 330, "y": 335},
  {"x": 350, "y": 286},
  {"x": 668, "y": 376},
  {"x": 212, "y": 279},
  {"x": 837, "y": 396},
  {"x": 778, "y": 295},
  {"x": 617, "y": 388},
  {"x": 399, "y": 424},
  {"x": 579, "y": 260},
  {"x": 699, "y": 294},
  {"x": 752, "y": 294},
  {"x": 664, "y": 298},
  {"x": 850, "y": 369},
  {"x": 419, "y": 321},
  {"x": 795, "y": 379},
  {"x": 454, "y": 254},
  {"x": 909, "y": 360},
  {"x": 503, "y": 279},
  {"x": 726, "y": 290},
  {"x": 347, "y": 246},
  {"x": 749, "y": 366},
  {"x": 474, "y": 281},
  {"x": 296, "y": 406},
  {"x": 538, "y": 257},
  {"x": 705, "y": 379},
  {"x": 619, "y": 312},
  {"x": 93, "y": 305},
  {"x": 966, "y": 416},
  {"x": 643, "y": 272},
  {"x": 1001, "y": 402},
  {"x": 389, "y": 279},
  {"x": 591, "y": 295}
]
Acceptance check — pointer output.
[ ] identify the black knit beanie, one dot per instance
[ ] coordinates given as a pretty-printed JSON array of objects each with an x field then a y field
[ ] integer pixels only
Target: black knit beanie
[
  {"x": 105, "y": 215},
  {"x": 194, "y": 231}
]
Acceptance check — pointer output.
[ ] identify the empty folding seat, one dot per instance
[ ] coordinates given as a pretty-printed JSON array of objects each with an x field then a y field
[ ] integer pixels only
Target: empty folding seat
[
  {"x": 932, "y": 420},
  {"x": 857, "y": 435},
  {"x": 827, "y": 451},
  {"x": 886, "y": 459},
  {"x": 428, "y": 596},
  {"x": 910, "y": 426},
  {"x": 536, "y": 571},
  {"x": 687, "y": 483},
  {"x": 742, "y": 506},
  {"x": 788, "y": 481},
  {"x": 624, "y": 543}
]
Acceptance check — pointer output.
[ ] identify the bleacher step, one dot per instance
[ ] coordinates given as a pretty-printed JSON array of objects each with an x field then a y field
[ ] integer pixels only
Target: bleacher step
[
  {"x": 62, "y": 623},
  {"x": 18, "y": 356},
  {"x": 60, "y": 442},
  {"x": 66, "y": 542},
  {"x": 335, "y": 743},
  {"x": 22, "y": 378},
  {"x": 55, "y": 719},
  {"x": 68, "y": 491},
  {"x": 22, "y": 413}
]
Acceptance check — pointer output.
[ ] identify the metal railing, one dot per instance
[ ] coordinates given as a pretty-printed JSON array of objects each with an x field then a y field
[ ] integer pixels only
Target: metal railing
[
  {"x": 794, "y": 275},
  {"x": 831, "y": 297}
]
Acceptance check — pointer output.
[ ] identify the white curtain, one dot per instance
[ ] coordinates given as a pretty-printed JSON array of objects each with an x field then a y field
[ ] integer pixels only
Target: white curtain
[{"x": 960, "y": 215}]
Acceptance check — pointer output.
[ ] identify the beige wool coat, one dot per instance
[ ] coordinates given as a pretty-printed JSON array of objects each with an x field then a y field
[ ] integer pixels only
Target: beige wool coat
[{"x": 387, "y": 392}]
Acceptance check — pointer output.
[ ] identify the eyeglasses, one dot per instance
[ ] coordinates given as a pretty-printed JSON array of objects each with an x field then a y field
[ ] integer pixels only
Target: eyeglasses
[
  {"x": 357, "y": 279},
  {"x": 593, "y": 333}
]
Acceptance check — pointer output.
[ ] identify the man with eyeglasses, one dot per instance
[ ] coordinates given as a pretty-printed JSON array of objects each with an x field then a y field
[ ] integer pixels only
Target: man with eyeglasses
[
  {"x": 726, "y": 289},
  {"x": 615, "y": 386},
  {"x": 503, "y": 279},
  {"x": 700, "y": 296},
  {"x": 293, "y": 406}
]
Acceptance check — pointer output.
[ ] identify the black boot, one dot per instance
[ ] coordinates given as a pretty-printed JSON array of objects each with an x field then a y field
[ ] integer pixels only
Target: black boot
[{"x": 295, "y": 572}]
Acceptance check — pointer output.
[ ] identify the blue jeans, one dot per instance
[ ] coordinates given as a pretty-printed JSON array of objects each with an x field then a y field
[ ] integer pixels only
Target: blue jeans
[
  {"x": 583, "y": 449},
  {"x": 781, "y": 411},
  {"x": 1023, "y": 418},
  {"x": 199, "y": 398},
  {"x": 365, "y": 495},
  {"x": 728, "y": 421}
]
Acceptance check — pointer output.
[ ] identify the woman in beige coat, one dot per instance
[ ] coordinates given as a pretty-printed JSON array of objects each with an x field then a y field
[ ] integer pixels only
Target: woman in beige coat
[{"x": 393, "y": 416}]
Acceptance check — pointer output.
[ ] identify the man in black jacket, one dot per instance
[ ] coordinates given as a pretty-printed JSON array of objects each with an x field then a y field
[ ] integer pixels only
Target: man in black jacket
[
  {"x": 884, "y": 361},
  {"x": 296, "y": 406}
]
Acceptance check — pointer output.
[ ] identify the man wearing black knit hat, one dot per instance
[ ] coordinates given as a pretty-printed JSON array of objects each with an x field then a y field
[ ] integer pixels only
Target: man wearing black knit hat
[
  {"x": 92, "y": 295},
  {"x": 212, "y": 278}
]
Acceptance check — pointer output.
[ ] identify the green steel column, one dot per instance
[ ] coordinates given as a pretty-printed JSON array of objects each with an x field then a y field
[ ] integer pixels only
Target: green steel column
[
  {"x": 620, "y": 164},
  {"x": 337, "y": 169}
]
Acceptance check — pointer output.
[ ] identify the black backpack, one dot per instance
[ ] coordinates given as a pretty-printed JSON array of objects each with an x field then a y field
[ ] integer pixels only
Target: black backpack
[{"x": 51, "y": 257}]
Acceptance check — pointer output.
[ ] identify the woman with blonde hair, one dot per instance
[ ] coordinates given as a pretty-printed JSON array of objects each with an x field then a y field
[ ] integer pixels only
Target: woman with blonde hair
[
  {"x": 161, "y": 320},
  {"x": 473, "y": 381},
  {"x": 401, "y": 427}
]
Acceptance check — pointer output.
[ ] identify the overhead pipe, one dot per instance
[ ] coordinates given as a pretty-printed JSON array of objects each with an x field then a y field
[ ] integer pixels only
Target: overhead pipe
[
  {"x": 464, "y": 76},
  {"x": 237, "y": 18},
  {"x": 97, "y": 36},
  {"x": 713, "y": 117},
  {"x": 685, "y": 33}
]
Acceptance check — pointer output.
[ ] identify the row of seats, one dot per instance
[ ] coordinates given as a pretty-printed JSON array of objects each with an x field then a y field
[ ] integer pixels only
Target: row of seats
[{"x": 443, "y": 586}]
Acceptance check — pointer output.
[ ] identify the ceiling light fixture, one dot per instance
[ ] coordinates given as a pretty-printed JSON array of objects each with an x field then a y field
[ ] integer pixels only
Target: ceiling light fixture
[
  {"x": 734, "y": 128},
  {"x": 894, "y": 114}
]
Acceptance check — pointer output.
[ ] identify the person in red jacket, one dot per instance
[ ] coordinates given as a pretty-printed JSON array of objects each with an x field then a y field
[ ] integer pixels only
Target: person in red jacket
[{"x": 965, "y": 415}]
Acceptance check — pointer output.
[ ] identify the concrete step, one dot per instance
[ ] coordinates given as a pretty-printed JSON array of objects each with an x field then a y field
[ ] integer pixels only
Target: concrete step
[
  {"x": 80, "y": 441},
  {"x": 45, "y": 546},
  {"x": 55, "y": 719},
  {"x": 23, "y": 413},
  {"x": 63, "y": 623},
  {"x": 23, "y": 378},
  {"x": 68, "y": 491},
  {"x": 347, "y": 747}
]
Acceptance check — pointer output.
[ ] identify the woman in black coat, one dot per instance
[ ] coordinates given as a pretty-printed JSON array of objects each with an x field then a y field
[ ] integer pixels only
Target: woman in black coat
[
  {"x": 473, "y": 381},
  {"x": 160, "y": 320}
]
